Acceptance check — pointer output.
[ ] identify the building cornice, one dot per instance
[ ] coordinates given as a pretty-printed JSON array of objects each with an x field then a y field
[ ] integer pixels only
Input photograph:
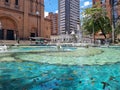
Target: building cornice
[{"x": 11, "y": 9}]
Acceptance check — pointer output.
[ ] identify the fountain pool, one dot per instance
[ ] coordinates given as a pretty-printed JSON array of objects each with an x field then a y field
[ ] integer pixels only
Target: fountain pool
[{"x": 46, "y": 68}]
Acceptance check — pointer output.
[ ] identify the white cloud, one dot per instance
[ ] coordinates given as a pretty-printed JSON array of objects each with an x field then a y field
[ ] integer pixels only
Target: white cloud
[
  {"x": 46, "y": 14},
  {"x": 56, "y": 11},
  {"x": 87, "y": 3},
  {"x": 82, "y": 6}
]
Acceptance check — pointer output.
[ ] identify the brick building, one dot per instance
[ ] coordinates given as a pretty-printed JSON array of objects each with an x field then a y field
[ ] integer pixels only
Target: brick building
[
  {"x": 54, "y": 22},
  {"x": 105, "y": 4},
  {"x": 21, "y": 19},
  {"x": 47, "y": 28}
]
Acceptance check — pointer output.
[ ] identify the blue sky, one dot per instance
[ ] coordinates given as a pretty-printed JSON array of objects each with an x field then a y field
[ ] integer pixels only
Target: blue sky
[{"x": 52, "y": 5}]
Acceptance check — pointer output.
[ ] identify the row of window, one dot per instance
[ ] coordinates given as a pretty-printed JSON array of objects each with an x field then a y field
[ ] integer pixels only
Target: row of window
[{"x": 16, "y": 1}]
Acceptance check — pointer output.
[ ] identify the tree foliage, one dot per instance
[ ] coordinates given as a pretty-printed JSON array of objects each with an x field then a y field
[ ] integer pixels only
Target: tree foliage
[{"x": 96, "y": 19}]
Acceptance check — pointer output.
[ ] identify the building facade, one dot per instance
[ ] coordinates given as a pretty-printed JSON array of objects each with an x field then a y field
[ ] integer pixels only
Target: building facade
[
  {"x": 54, "y": 22},
  {"x": 47, "y": 28},
  {"x": 69, "y": 16},
  {"x": 21, "y": 19},
  {"x": 105, "y": 4}
]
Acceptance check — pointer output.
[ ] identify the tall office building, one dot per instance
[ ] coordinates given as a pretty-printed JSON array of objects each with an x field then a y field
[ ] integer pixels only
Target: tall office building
[{"x": 69, "y": 16}]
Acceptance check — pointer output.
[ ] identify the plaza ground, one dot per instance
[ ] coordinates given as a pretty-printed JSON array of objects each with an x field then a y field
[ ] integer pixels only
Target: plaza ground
[{"x": 14, "y": 42}]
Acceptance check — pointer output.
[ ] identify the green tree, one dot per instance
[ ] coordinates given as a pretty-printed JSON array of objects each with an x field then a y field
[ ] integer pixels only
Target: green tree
[{"x": 95, "y": 19}]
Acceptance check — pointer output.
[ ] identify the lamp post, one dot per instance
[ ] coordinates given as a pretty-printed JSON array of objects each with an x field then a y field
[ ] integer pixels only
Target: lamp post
[{"x": 37, "y": 31}]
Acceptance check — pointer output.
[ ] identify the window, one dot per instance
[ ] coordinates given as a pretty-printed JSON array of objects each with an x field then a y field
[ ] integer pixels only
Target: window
[
  {"x": 103, "y": 1},
  {"x": 16, "y": 2},
  {"x": 94, "y": 2},
  {"x": 7, "y": 1}
]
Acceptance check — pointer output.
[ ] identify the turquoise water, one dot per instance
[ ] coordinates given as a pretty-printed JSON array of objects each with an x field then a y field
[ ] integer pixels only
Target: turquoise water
[
  {"x": 21, "y": 73},
  {"x": 39, "y": 48},
  {"x": 36, "y": 76}
]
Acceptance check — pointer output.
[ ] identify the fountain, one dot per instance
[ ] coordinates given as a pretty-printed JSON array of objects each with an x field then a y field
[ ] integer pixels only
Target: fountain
[
  {"x": 93, "y": 68},
  {"x": 59, "y": 47},
  {"x": 3, "y": 48},
  {"x": 106, "y": 43}
]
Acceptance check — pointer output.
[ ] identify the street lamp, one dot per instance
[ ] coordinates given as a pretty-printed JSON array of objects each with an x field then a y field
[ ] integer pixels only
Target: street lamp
[{"x": 37, "y": 31}]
